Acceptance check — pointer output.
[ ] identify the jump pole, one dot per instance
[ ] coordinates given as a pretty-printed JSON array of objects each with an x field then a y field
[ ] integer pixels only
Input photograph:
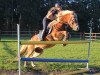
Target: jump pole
[
  {"x": 89, "y": 47},
  {"x": 52, "y": 42},
  {"x": 18, "y": 38}
]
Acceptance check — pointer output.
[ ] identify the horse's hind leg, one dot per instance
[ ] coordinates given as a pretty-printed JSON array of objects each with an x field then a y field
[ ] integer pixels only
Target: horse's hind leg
[
  {"x": 27, "y": 55},
  {"x": 23, "y": 49},
  {"x": 29, "y": 52},
  {"x": 38, "y": 51}
]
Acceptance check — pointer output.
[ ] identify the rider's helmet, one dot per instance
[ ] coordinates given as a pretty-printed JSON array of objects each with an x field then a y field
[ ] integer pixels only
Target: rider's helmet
[{"x": 57, "y": 5}]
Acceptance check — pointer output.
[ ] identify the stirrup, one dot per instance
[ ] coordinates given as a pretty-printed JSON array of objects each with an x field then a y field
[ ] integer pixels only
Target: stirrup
[{"x": 49, "y": 31}]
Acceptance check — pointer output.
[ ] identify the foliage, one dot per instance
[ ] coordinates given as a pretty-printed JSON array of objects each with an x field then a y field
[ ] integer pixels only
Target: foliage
[{"x": 33, "y": 11}]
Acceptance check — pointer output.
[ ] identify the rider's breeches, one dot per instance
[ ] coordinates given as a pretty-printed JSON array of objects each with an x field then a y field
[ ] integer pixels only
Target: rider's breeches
[{"x": 45, "y": 24}]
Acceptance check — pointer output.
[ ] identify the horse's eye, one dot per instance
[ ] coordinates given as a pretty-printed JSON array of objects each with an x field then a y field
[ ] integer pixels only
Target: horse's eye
[{"x": 73, "y": 20}]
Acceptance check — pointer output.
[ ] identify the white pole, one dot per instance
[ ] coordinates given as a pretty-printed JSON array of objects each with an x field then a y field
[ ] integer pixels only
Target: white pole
[
  {"x": 89, "y": 48},
  {"x": 18, "y": 38}
]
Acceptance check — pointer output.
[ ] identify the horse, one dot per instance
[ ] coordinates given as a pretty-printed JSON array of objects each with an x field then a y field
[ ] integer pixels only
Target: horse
[{"x": 58, "y": 33}]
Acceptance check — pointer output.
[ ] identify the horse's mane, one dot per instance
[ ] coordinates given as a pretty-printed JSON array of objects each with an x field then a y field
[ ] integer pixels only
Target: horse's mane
[{"x": 64, "y": 12}]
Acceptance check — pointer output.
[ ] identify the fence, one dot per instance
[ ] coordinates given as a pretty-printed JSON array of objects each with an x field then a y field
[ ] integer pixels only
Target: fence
[
  {"x": 94, "y": 36},
  {"x": 12, "y": 35}
]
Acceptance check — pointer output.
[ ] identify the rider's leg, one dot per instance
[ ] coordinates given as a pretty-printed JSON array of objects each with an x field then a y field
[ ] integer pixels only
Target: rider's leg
[
  {"x": 50, "y": 25},
  {"x": 45, "y": 23},
  {"x": 44, "y": 28},
  {"x": 43, "y": 34}
]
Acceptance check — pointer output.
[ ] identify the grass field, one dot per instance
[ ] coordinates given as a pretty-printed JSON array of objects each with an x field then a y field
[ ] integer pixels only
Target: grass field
[{"x": 8, "y": 52}]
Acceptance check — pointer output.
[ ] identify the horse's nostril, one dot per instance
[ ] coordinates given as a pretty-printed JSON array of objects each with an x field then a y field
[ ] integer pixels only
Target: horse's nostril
[{"x": 77, "y": 28}]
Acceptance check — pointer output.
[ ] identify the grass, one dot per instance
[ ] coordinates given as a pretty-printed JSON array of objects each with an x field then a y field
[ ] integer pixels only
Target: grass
[{"x": 8, "y": 52}]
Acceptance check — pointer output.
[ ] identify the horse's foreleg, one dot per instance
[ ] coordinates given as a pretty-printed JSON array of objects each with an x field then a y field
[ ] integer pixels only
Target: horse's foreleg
[
  {"x": 54, "y": 35},
  {"x": 65, "y": 36}
]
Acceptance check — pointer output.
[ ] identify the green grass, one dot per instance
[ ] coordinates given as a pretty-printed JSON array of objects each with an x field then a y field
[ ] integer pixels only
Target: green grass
[{"x": 8, "y": 52}]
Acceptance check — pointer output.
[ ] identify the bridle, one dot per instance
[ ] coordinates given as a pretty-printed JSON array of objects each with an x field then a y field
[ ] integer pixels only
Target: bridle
[{"x": 69, "y": 23}]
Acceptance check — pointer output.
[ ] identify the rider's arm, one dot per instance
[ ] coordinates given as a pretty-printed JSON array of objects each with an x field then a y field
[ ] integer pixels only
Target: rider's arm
[{"x": 50, "y": 13}]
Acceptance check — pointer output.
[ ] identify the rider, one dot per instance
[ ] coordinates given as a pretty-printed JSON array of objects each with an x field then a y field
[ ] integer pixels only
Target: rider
[{"x": 51, "y": 15}]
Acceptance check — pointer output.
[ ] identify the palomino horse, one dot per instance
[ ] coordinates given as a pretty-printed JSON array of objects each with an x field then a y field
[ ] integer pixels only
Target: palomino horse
[{"x": 58, "y": 33}]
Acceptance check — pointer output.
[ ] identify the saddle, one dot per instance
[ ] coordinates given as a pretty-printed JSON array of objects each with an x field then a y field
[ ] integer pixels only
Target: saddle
[{"x": 40, "y": 34}]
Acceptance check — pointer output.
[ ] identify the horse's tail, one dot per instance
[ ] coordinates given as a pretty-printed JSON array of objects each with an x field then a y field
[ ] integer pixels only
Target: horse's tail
[{"x": 23, "y": 49}]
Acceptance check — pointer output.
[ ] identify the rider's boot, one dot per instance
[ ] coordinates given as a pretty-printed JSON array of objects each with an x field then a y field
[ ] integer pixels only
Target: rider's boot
[{"x": 42, "y": 35}]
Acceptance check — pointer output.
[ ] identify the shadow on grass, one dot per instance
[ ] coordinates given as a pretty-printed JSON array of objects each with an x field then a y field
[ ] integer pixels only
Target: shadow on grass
[
  {"x": 8, "y": 49},
  {"x": 94, "y": 70},
  {"x": 33, "y": 71}
]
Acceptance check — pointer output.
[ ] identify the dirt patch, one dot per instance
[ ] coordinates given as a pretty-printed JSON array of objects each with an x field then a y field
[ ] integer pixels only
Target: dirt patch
[{"x": 11, "y": 72}]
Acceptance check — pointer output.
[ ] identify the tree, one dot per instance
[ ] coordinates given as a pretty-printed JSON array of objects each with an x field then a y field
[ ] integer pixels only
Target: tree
[{"x": 33, "y": 11}]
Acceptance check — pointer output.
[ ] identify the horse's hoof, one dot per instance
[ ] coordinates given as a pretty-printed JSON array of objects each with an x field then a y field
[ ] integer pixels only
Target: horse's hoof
[
  {"x": 64, "y": 44},
  {"x": 25, "y": 66},
  {"x": 33, "y": 65}
]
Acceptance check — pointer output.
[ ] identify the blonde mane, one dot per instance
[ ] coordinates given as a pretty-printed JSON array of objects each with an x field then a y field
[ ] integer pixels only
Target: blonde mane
[{"x": 64, "y": 12}]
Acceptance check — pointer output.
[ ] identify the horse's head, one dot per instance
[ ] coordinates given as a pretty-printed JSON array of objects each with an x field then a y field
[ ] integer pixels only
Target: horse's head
[{"x": 69, "y": 18}]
